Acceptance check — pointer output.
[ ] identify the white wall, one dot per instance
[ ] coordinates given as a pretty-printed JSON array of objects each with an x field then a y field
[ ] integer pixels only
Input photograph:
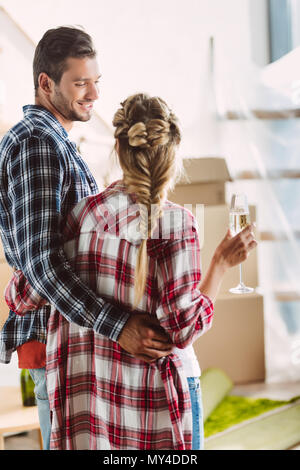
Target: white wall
[
  {"x": 15, "y": 68},
  {"x": 9, "y": 373},
  {"x": 259, "y": 31},
  {"x": 160, "y": 47}
]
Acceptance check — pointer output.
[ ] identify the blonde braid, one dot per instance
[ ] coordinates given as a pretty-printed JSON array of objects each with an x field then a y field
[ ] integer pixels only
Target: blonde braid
[{"x": 147, "y": 133}]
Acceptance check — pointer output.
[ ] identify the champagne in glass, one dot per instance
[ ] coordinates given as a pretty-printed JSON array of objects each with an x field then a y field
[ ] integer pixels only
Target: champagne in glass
[{"x": 239, "y": 219}]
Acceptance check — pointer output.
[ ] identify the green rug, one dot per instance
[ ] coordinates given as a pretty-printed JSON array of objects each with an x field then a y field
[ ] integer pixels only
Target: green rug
[
  {"x": 277, "y": 429},
  {"x": 242, "y": 423},
  {"x": 236, "y": 409},
  {"x": 215, "y": 385}
]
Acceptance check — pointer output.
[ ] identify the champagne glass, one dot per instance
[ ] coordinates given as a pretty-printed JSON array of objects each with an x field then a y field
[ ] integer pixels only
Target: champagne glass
[{"x": 239, "y": 219}]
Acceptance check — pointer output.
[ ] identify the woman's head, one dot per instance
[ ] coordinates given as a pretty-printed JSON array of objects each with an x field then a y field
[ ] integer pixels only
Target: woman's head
[{"x": 147, "y": 134}]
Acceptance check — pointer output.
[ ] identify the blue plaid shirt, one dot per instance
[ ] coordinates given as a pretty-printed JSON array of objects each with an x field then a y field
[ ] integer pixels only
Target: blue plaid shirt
[{"x": 42, "y": 177}]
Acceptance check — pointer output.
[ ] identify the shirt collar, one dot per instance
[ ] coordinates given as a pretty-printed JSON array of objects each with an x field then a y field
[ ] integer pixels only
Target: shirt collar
[{"x": 35, "y": 111}]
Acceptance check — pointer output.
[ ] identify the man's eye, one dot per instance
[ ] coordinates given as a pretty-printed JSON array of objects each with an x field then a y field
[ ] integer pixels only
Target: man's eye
[{"x": 79, "y": 84}]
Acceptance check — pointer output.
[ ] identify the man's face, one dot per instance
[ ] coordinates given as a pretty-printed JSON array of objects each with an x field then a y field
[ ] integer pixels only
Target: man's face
[{"x": 77, "y": 90}]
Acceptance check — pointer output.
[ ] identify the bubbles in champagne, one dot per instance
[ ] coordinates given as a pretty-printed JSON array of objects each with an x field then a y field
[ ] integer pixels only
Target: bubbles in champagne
[{"x": 238, "y": 222}]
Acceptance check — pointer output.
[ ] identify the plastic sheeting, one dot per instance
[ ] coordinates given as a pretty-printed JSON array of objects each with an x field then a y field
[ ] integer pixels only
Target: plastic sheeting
[{"x": 256, "y": 140}]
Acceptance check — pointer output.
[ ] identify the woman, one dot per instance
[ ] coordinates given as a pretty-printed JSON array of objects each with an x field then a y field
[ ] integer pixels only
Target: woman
[{"x": 139, "y": 250}]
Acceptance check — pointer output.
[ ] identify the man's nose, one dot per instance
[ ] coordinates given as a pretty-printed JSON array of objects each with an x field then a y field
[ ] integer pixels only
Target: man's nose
[{"x": 93, "y": 92}]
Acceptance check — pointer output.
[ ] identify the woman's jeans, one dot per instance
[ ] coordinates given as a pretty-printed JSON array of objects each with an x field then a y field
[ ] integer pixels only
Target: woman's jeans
[
  {"x": 41, "y": 394},
  {"x": 197, "y": 413}
]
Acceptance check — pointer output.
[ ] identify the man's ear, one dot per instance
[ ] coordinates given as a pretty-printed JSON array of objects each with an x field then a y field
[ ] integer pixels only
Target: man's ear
[
  {"x": 117, "y": 145},
  {"x": 45, "y": 83}
]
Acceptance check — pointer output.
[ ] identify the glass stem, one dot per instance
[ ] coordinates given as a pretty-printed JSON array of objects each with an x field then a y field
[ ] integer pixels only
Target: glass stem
[{"x": 241, "y": 282}]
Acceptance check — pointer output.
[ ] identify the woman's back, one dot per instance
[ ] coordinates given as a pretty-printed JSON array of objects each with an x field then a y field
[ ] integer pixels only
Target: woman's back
[{"x": 102, "y": 239}]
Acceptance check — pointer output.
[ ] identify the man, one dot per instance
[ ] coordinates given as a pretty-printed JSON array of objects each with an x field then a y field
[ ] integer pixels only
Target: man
[{"x": 41, "y": 178}]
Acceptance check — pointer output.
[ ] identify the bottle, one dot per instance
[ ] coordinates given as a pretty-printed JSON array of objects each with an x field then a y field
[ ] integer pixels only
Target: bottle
[{"x": 27, "y": 388}]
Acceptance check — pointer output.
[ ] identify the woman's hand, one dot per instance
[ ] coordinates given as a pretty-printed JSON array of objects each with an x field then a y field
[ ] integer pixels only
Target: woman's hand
[
  {"x": 230, "y": 252},
  {"x": 234, "y": 250}
]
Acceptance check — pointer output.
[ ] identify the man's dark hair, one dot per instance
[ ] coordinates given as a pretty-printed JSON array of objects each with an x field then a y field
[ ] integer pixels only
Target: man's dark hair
[{"x": 55, "y": 47}]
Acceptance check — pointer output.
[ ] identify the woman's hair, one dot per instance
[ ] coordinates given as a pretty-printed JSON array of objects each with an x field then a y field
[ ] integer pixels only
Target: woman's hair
[{"x": 147, "y": 134}]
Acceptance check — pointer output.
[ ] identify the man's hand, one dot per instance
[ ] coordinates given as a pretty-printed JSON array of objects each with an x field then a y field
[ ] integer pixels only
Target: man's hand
[{"x": 144, "y": 338}]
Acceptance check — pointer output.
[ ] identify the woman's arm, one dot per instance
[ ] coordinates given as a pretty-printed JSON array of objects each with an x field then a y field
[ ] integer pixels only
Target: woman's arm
[
  {"x": 183, "y": 311},
  {"x": 20, "y": 296},
  {"x": 186, "y": 305}
]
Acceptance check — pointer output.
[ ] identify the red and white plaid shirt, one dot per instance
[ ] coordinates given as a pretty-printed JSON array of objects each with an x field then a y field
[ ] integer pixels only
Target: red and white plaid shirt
[{"x": 101, "y": 397}]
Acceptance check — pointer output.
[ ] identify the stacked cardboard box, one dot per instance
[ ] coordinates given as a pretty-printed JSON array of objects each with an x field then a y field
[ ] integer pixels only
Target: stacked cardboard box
[
  {"x": 235, "y": 342},
  {"x": 203, "y": 182}
]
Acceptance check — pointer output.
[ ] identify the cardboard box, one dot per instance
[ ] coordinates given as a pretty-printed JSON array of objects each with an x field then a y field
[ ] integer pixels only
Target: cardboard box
[
  {"x": 199, "y": 193},
  {"x": 203, "y": 183},
  {"x": 5, "y": 276},
  {"x": 235, "y": 342},
  {"x": 212, "y": 229}
]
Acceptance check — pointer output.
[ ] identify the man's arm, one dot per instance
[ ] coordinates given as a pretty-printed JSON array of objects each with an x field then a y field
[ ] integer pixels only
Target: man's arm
[
  {"x": 36, "y": 181},
  {"x": 36, "y": 178}
]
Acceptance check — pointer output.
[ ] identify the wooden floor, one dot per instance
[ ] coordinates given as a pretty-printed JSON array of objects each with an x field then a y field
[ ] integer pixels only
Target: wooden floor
[
  {"x": 24, "y": 441},
  {"x": 283, "y": 391},
  {"x": 275, "y": 391}
]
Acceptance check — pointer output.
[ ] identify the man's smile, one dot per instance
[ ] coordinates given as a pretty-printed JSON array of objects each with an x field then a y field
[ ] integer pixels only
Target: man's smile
[{"x": 86, "y": 105}]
